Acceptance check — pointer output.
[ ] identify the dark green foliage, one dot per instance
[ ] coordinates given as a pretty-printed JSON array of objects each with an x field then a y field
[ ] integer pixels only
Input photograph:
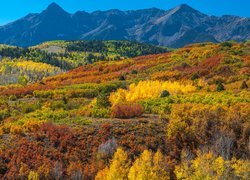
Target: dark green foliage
[
  {"x": 87, "y": 46},
  {"x": 220, "y": 87},
  {"x": 102, "y": 100},
  {"x": 42, "y": 83},
  {"x": 218, "y": 81},
  {"x": 199, "y": 87},
  {"x": 65, "y": 100},
  {"x": 57, "y": 105},
  {"x": 107, "y": 89},
  {"x": 12, "y": 52},
  {"x": 185, "y": 65},
  {"x": 101, "y": 108},
  {"x": 87, "y": 93},
  {"x": 227, "y": 44},
  {"x": 134, "y": 72},
  {"x": 165, "y": 93},
  {"x": 122, "y": 78},
  {"x": 27, "y": 108},
  {"x": 244, "y": 85},
  {"x": 194, "y": 76},
  {"x": 36, "y": 55}
]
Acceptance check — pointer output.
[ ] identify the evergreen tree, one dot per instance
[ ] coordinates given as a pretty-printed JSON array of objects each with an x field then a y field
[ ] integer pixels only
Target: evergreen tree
[
  {"x": 165, "y": 93},
  {"x": 220, "y": 87},
  {"x": 244, "y": 85}
]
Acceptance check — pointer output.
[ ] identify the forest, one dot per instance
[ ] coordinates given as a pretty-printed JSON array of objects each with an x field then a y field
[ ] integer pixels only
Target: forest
[
  {"x": 151, "y": 114},
  {"x": 28, "y": 65}
]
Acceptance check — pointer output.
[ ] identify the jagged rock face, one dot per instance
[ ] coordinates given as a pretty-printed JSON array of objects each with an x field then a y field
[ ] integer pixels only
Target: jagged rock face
[{"x": 175, "y": 28}]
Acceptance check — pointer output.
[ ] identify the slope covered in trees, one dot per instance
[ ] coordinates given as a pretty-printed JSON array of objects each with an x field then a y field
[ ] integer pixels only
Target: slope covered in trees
[
  {"x": 23, "y": 72},
  {"x": 55, "y": 57},
  {"x": 72, "y": 54},
  {"x": 178, "y": 115}
]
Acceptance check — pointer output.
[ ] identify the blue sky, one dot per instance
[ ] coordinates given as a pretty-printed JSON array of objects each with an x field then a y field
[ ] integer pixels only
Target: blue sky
[{"x": 11, "y": 10}]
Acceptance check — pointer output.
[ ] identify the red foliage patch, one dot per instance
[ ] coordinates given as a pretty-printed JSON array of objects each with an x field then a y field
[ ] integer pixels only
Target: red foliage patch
[
  {"x": 203, "y": 68},
  {"x": 55, "y": 148},
  {"x": 126, "y": 111}
]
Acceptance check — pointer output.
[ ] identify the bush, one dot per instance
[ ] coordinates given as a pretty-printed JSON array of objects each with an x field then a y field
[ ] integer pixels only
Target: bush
[
  {"x": 199, "y": 88},
  {"x": 194, "y": 76},
  {"x": 86, "y": 93},
  {"x": 160, "y": 106},
  {"x": 165, "y": 93},
  {"x": 100, "y": 112},
  {"x": 65, "y": 99},
  {"x": 4, "y": 114},
  {"x": 127, "y": 111},
  {"x": 122, "y": 78},
  {"x": 57, "y": 105},
  {"x": 28, "y": 108},
  {"x": 43, "y": 94},
  {"x": 103, "y": 100},
  {"x": 227, "y": 44},
  {"x": 134, "y": 72},
  {"x": 72, "y": 105},
  {"x": 244, "y": 85},
  {"x": 12, "y": 98},
  {"x": 22, "y": 80},
  {"x": 220, "y": 87},
  {"x": 112, "y": 87}
]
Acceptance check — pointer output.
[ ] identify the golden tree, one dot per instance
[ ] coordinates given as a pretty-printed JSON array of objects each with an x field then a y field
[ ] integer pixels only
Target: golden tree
[
  {"x": 33, "y": 175},
  {"x": 118, "y": 169},
  {"x": 148, "y": 167}
]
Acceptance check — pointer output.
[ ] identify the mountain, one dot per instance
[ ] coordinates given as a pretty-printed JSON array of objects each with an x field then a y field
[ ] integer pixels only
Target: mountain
[{"x": 176, "y": 27}]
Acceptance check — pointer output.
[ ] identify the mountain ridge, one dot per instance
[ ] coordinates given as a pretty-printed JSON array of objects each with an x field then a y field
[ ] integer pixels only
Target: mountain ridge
[{"x": 176, "y": 27}]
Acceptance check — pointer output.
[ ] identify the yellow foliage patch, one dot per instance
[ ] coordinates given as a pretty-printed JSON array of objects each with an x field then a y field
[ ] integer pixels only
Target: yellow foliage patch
[{"x": 148, "y": 90}]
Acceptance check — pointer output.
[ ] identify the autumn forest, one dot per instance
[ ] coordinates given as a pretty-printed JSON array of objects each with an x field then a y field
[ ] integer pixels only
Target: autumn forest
[{"x": 118, "y": 110}]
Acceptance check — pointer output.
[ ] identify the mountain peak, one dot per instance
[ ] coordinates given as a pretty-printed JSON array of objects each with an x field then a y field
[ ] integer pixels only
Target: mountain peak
[
  {"x": 184, "y": 7},
  {"x": 174, "y": 27},
  {"x": 54, "y": 8},
  {"x": 53, "y": 5}
]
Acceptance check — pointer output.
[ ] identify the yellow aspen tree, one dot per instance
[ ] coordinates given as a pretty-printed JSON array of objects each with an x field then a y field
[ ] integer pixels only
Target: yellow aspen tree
[
  {"x": 159, "y": 172},
  {"x": 33, "y": 175},
  {"x": 241, "y": 168},
  {"x": 119, "y": 167},
  {"x": 142, "y": 169},
  {"x": 205, "y": 166}
]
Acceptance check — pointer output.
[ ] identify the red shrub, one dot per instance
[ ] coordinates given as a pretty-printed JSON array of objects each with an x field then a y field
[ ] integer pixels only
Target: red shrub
[{"x": 126, "y": 111}]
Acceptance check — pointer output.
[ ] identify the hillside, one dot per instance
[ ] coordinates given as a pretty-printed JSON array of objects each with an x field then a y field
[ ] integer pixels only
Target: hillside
[
  {"x": 29, "y": 65},
  {"x": 180, "y": 114},
  {"x": 176, "y": 27},
  {"x": 212, "y": 63}
]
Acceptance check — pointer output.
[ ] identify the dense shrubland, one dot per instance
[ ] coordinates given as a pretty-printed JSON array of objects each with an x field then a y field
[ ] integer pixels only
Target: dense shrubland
[{"x": 179, "y": 115}]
